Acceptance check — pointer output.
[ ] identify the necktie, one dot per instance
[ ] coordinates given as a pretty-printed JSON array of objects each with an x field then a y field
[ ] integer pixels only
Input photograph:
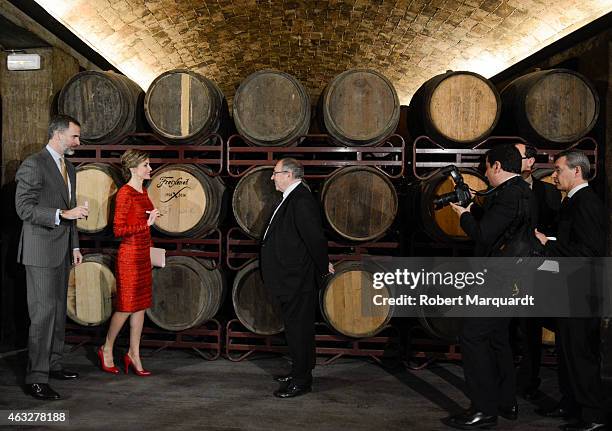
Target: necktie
[{"x": 64, "y": 171}]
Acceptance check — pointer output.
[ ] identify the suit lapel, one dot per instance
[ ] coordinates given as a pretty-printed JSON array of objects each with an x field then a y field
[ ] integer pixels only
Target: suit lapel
[
  {"x": 281, "y": 210},
  {"x": 56, "y": 176}
]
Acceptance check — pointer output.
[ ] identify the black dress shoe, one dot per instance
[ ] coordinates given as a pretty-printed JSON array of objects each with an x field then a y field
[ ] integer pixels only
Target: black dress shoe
[
  {"x": 471, "y": 420},
  {"x": 63, "y": 374},
  {"x": 292, "y": 390},
  {"x": 42, "y": 391},
  {"x": 555, "y": 412},
  {"x": 283, "y": 378},
  {"x": 583, "y": 426},
  {"x": 510, "y": 413}
]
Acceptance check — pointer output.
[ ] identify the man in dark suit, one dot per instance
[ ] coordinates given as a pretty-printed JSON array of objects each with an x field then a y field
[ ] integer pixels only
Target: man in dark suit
[
  {"x": 45, "y": 200},
  {"x": 548, "y": 200},
  {"x": 581, "y": 233},
  {"x": 294, "y": 261},
  {"x": 485, "y": 346}
]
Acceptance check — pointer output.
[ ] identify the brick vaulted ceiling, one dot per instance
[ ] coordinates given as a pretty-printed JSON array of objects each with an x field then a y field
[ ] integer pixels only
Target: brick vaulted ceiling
[{"x": 407, "y": 40}]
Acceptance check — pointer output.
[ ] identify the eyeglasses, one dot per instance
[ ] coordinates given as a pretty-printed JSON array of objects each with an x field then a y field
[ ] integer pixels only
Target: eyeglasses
[{"x": 279, "y": 172}]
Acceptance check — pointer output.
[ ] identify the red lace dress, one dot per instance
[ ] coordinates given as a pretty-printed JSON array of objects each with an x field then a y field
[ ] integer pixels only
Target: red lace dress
[{"x": 133, "y": 270}]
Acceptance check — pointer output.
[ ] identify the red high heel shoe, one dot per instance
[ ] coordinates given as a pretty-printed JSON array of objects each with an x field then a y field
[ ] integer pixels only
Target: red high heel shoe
[
  {"x": 129, "y": 363},
  {"x": 113, "y": 369}
]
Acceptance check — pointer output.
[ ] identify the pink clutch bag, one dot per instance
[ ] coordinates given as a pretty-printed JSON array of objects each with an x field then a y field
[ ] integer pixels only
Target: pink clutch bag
[{"x": 158, "y": 257}]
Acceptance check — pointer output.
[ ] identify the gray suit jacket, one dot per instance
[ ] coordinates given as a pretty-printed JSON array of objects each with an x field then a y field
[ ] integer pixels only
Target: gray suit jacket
[{"x": 40, "y": 192}]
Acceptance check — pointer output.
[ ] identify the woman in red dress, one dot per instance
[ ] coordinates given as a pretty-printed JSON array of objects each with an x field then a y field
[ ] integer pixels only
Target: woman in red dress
[{"x": 134, "y": 214}]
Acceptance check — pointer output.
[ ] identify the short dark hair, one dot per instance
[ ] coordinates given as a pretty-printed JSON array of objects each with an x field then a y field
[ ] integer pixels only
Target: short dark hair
[
  {"x": 293, "y": 166},
  {"x": 576, "y": 158},
  {"x": 530, "y": 150},
  {"x": 59, "y": 123},
  {"x": 508, "y": 156}
]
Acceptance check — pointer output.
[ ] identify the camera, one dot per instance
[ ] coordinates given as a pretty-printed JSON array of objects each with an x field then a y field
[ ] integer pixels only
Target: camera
[{"x": 461, "y": 195}]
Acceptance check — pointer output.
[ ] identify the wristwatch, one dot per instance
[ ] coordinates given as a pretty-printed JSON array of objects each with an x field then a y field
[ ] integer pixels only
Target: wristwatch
[{"x": 61, "y": 213}]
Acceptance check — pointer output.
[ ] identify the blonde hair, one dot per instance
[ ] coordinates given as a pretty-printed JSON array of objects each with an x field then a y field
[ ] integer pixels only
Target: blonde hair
[{"x": 131, "y": 159}]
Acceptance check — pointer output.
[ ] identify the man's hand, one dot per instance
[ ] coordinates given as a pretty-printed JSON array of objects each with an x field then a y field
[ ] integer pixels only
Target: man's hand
[
  {"x": 541, "y": 237},
  {"x": 78, "y": 212},
  {"x": 459, "y": 210},
  {"x": 330, "y": 268},
  {"x": 77, "y": 257}
]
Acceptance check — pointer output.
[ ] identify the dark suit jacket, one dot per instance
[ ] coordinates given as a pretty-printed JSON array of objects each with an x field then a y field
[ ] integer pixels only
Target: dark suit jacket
[
  {"x": 486, "y": 225},
  {"x": 582, "y": 227},
  {"x": 40, "y": 192},
  {"x": 294, "y": 251},
  {"x": 548, "y": 199}
]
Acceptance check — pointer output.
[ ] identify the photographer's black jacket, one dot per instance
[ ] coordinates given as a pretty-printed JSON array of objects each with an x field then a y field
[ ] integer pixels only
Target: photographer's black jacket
[{"x": 487, "y": 224}]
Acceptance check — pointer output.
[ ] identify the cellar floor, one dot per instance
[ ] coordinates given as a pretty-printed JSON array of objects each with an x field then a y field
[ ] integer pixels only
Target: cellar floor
[{"x": 187, "y": 392}]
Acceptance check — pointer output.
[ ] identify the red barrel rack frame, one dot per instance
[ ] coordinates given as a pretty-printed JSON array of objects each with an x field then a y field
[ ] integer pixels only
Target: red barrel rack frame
[
  {"x": 240, "y": 157},
  {"x": 440, "y": 156},
  {"x": 245, "y": 343}
]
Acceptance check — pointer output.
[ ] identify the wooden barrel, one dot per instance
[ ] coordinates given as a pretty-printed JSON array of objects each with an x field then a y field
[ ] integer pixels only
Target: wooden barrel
[
  {"x": 184, "y": 106},
  {"x": 107, "y": 105},
  {"x": 186, "y": 293},
  {"x": 271, "y": 109},
  {"x": 97, "y": 184},
  {"x": 444, "y": 328},
  {"x": 360, "y": 107},
  {"x": 360, "y": 202},
  {"x": 91, "y": 287},
  {"x": 455, "y": 109},
  {"x": 443, "y": 224},
  {"x": 550, "y": 107},
  {"x": 342, "y": 302},
  {"x": 254, "y": 200},
  {"x": 189, "y": 200},
  {"x": 253, "y": 304}
]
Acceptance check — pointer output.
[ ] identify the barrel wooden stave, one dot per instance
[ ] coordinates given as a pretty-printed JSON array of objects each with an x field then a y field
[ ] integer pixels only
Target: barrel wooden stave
[
  {"x": 342, "y": 304},
  {"x": 189, "y": 199},
  {"x": 455, "y": 108},
  {"x": 184, "y": 106},
  {"x": 97, "y": 184},
  {"x": 186, "y": 293},
  {"x": 254, "y": 306},
  {"x": 443, "y": 224},
  {"x": 254, "y": 200},
  {"x": 271, "y": 108},
  {"x": 107, "y": 104},
  {"x": 360, "y": 203},
  {"x": 91, "y": 287},
  {"x": 360, "y": 107},
  {"x": 550, "y": 107}
]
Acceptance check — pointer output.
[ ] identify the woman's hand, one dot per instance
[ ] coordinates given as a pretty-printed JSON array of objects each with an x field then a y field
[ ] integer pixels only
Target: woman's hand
[{"x": 153, "y": 214}]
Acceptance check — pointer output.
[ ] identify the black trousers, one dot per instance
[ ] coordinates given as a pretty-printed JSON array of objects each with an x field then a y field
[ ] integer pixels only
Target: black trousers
[
  {"x": 578, "y": 342},
  {"x": 488, "y": 363},
  {"x": 298, "y": 312}
]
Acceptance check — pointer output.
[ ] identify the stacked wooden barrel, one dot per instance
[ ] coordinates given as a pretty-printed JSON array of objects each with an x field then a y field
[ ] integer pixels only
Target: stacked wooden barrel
[
  {"x": 271, "y": 109},
  {"x": 550, "y": 108},
  {"x": 188, "y": 198},
  {"x": 360, "y": 107},
  {"x": 91, "y": 288},
  {"x": 108, "y": 105},
  {"x": 97, "y": 184},
  {"x": 455, "y": 109},
  {"x": 186, "y": 293},
  {"x": 183, "y": 106}
]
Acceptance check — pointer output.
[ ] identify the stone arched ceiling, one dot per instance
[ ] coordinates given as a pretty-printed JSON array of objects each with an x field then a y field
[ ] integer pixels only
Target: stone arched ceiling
[{"x": 407, "y": 40}]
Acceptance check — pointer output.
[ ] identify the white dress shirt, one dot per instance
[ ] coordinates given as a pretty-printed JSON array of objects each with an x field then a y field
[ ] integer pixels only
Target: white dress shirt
[
  {"x": 285, "y": 194},
  {"x": 573, "y": 191},
  {"x": 56, "y": 158}
]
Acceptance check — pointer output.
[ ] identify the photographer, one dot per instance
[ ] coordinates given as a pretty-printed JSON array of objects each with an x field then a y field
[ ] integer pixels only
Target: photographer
[{"x": 485, "y": 346}]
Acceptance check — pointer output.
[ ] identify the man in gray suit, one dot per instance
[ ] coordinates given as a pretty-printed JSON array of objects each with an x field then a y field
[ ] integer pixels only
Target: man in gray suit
[{"x": 46, "y": 202}]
